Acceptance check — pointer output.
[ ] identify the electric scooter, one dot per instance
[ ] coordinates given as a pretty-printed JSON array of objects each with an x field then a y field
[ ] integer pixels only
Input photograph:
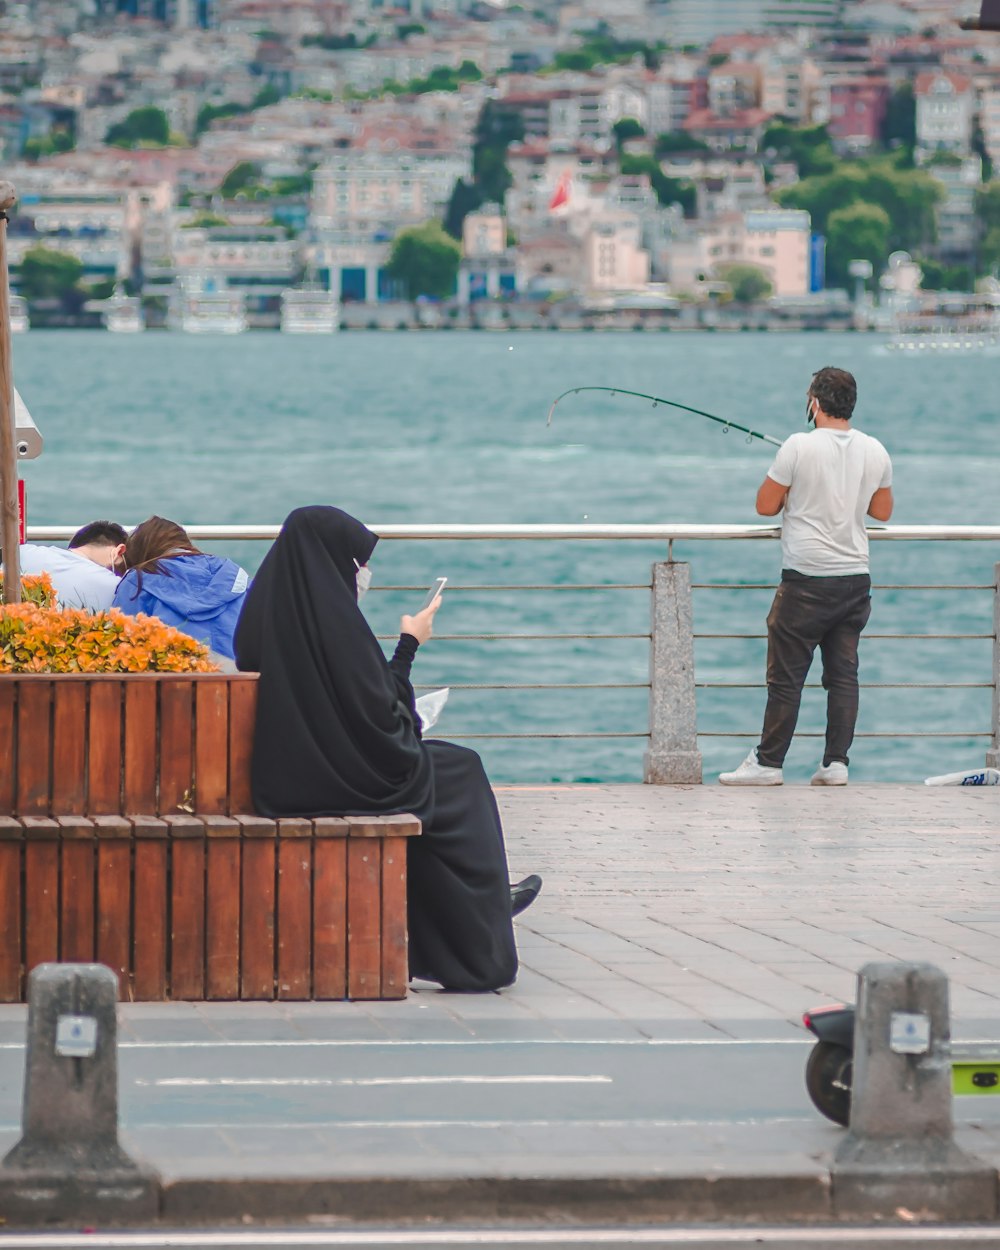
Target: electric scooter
[{"x": 975, "y": 1068}]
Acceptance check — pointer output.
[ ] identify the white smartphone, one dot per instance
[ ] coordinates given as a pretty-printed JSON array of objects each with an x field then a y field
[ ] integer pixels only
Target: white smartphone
[{"x": 437, "y": 586}]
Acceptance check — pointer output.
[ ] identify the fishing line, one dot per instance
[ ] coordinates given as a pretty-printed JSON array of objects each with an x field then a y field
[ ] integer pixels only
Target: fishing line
[{"x": 656, "y": 400}]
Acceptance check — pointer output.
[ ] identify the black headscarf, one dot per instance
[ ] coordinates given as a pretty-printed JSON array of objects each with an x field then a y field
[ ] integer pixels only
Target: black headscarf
[{"x": 335, "y": 732}]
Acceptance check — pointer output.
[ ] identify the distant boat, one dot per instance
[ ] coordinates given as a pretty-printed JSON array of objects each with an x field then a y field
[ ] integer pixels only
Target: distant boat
[
  {"x": 199, "y": 306},
  {"x": 309, "y": 310},
  {"x": 948, "y": 325},
  {"x": 19, "y": 321},
  {"x": 123, "y": 313}
]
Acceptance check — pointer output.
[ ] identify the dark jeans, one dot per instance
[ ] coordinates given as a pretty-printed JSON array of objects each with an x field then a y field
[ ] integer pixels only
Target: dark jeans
[{"x": 811, "y": 612}]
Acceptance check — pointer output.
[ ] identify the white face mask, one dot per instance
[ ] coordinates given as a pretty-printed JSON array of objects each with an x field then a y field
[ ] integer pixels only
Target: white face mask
[{"x": 363, "y": 579}]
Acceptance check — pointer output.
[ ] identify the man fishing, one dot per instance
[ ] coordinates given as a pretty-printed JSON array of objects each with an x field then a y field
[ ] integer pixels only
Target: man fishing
[{"x": 825, "y": 481}]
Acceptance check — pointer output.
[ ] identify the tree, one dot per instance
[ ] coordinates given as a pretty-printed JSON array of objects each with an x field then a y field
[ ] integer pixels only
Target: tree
[
  {"x": 48, "y": 274},
  {"x": 988, "y": 205},
  {"x": 208, "y": 113},
  {"x": 243, "y": 176},
  {"x": 496, "y": 129},
  {"x": 626, "y": 128},
  {"x": 858, "y": 232},
  {"x": 668, "y": 190},
  {"x": 809, "y": 147},
  {"x": 899, "y": 126},
  {"x": 425, "y": 259},
  {"x": 678, "y": 141},
  {"x": 142, "y": 125},
  {"x": 747, "y": 282},
  {"x": 465, "y": 199}
]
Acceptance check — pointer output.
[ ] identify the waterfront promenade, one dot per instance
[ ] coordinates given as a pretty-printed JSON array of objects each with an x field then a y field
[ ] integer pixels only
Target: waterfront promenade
[{"x": 649, "y": 1060}]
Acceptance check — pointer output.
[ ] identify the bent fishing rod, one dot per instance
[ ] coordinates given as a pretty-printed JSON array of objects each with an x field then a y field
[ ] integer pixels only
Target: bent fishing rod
[{"x": 656, "y": 400}]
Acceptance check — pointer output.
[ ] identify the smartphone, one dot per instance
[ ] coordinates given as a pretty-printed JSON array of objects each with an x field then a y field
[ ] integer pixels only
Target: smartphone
[{"x": 437, "y": 586}]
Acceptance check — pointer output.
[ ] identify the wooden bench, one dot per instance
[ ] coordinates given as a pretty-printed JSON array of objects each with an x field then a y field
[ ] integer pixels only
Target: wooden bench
[{"x": 127, "y": 837}]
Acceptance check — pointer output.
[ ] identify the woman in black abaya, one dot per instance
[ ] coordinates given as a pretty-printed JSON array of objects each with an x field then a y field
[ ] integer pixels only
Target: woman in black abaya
[{"x": 337, "y": 734}]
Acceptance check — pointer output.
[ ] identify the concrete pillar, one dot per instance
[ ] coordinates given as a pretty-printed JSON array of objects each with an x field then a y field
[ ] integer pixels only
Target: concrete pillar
[
  {"x": 993, "y": 754},
  {"x": 68, "y": 1164},
  {"x": 492, "y": 282},
  {"x": 371, "y": 284},
  {"x": 673, "y": 757},
  {"x": 900, "y": 1150}
]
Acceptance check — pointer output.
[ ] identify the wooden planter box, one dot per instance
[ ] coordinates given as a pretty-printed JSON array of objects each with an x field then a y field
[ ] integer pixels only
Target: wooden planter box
[{"x": 127, "y": 837}]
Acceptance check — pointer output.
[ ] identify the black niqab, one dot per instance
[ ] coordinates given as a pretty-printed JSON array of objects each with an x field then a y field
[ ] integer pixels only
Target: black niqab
[{"x": 336, "y": 731}]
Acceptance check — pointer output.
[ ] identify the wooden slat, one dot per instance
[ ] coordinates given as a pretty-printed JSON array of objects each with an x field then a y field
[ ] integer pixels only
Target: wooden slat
[
  {"x": 242, "y": 710},
  {"x": 294, "y": 909},
  {"x": 41, "y": 892},
  {"x": 69, "y": 747},
  {"x": 11, "y": 850},
  {"x": 149, "y": 940},
  {"x": 259, "y": 844},
  {"x": 187, "y": 907},
  {"x": 34, "y": 747},
  {"x": 330, "y": 908},
  {"x": 104, "y": 748},
  {"x": 8, "y": 740},
  {"x": 211, "y": 737},
  {"x": 114, "y": 898},
  {"x": 222, "y": 909},
  {"x": 364, "y": 917},
  {"x": 176, "y": 747},
  {"x": 77, "y": 905},
  {"x": 395, "y": 967},
  {"x": 141, "y": 745}
]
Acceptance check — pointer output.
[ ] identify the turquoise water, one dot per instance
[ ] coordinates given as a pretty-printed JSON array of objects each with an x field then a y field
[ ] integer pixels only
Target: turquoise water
[{"x": 450, "y": 427}]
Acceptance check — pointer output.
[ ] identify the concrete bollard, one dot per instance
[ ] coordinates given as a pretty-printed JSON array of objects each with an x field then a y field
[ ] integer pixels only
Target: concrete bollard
[
  {"x": 68, "y": 1165},
  {"x": 673, "y": 757},
  {"x": 900, "y": 1154}
]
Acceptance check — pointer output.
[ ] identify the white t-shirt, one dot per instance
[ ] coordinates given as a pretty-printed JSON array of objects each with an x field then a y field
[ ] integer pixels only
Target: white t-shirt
[
  {"x": 78, "y": 582},
  {"x": 831, "y": 476}
]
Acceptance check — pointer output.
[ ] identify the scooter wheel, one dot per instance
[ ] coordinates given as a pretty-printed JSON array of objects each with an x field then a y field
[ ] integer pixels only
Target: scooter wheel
[{"x": 829, "y": 1074}]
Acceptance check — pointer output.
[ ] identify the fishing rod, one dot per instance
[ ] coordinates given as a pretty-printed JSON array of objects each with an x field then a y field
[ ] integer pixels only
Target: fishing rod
[{"x": 656, "y": 400}]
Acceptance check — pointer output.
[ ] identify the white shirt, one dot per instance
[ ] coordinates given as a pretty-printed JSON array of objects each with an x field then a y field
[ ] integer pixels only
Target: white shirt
[
  {"x": 831, "y": 477},
  {"x": 78, "y": 581}
]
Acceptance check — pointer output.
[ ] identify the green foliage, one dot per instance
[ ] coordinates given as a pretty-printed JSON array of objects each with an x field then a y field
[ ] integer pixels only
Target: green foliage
[
  {"x": 940, "y": 277},
  {"x": 243, "y": 176},
  {"x": 747, "y": 282},
  {"x": 425, "y": 259},
  {"x": 627, "y": 128},
  {"x": 988, "y": 205},
  {"x": 907, "y": 197},
  {"x": 496, "y": 129},
  {"x": 604, "y": 49},
  {"x": 101, "y": 290},
  {"x": 668, "y": 190},
  {"x": 47, "y": 274},
  {"x": 465, "y": 199},
  {"x": 858, "y": 232},
  {"x": 147, "y": 125},
  {"x": 267, "y": 95},
  {"x": 678, "y": 141},
  {"x": 208, "y": 113},
  {"x": 899, "y": 126},
  {"x": 406, "y": 29},
  {"x": 808, "y": 146},
  {"x": 292, "y": 184},
  {"x": 338, "y": 43},
  {"x": 205, "y": 221}
]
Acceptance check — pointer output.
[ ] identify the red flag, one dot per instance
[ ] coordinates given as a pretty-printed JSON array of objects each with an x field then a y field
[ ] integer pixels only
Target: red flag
[{"x": 561, "y": 194}]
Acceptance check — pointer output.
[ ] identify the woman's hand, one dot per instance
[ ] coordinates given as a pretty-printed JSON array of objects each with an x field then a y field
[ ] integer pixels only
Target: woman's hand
[{"x": 420, "y": 626}]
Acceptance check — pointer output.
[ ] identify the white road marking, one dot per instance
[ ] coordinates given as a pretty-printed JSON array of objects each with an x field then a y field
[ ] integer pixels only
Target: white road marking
[
  {"x": 399, "y": 1042},
  {"x": 325, "y": 1081},
  {"x": 135, "y": 1126},
  {"x": 510, "y": 1237}
]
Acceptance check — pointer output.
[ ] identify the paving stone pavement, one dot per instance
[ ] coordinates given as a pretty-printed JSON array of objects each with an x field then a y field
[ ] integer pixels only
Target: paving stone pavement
[{"x": 669, "y": 915}]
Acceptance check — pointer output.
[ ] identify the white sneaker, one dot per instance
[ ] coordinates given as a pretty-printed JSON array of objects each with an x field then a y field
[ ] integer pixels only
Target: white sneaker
[
  {"x": 834, "y": 774},
  {"x": 750, "y": 773}
]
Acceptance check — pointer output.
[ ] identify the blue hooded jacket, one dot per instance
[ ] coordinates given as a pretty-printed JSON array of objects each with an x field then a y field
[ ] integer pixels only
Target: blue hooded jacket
[{"x": 200, "y": 595}]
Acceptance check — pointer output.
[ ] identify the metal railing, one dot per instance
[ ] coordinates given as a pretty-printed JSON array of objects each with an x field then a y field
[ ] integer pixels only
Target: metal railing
[{"x": 662, "y": 681}]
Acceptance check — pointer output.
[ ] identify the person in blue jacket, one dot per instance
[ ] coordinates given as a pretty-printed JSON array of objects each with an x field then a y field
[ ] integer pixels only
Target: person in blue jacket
[{"x": 168, "y": 577}]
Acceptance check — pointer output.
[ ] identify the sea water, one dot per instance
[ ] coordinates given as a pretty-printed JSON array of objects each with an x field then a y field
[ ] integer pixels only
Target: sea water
[{"x": 421, "y": 428}]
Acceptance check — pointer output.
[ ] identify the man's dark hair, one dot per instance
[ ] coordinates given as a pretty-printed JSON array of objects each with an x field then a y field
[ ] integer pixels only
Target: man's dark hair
[
  {"x": 836, "y": 391},
  {"x": 99, "y": 534}
]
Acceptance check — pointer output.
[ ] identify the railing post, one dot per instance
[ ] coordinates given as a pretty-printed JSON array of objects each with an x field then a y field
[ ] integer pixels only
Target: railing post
[
  {"x": 673, "y": 757},
  {"x": 993, "y": 754}
]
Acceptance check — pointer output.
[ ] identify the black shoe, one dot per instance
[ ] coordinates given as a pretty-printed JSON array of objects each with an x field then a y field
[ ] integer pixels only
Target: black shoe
[{"x": 524, "y": 893}]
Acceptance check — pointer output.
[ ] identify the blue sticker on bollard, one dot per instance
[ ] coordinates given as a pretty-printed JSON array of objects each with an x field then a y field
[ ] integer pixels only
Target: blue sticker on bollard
[{"x": 76, "y": 1037}]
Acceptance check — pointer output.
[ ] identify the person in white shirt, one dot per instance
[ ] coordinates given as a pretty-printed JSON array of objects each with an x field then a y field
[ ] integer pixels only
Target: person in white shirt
[
  {"x": 84, "y": 575},
  {"x": 826, "y": 481}
]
